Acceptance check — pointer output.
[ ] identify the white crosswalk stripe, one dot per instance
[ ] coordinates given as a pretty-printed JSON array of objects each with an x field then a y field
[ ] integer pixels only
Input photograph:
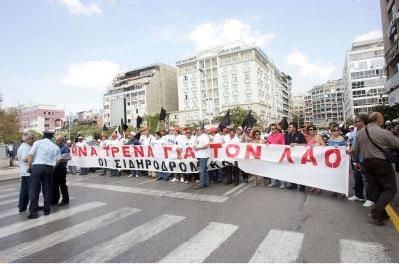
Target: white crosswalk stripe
[
  {"x": 362, "y": 252},
  {"x": 27, "y": 248},
  {"x": 7, "y": 190},
  {"x": 106, "y": 251},
  {"x": 64, "y": 213},
  {"x": 198, "y": 248},
  {"x": 8, "y": 213},
  {"x": 279, "y": 246},
  {"x": 8, "y": 195},
  {"x": 8, "y": 201}
]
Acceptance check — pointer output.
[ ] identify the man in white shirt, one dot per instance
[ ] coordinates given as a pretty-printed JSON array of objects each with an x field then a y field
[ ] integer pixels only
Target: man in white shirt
[
  {"x": 202, "y": 153},
  {"x": 82, "y": 144},
  {"x": 115, "y": 142},
  {"x": 22, "y": 154},
  {"x": 42, "y": 158},
  {"x": 147, "y": 139},
  {"x": 216, "y": 138},
  {"x": 104, "y": 143}
]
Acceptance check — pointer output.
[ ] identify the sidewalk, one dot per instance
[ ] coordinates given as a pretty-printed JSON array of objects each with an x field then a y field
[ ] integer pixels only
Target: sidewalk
[{"x": 7, "y": 172}]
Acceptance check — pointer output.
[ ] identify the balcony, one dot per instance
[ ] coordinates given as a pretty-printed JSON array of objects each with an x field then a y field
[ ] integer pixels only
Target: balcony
[{"x": 392, "y": 83}]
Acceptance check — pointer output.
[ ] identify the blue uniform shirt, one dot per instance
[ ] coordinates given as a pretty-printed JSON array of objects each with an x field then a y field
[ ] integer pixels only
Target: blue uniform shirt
[
  {"x": 45, "y": 152},
  {"x": 64, "y": 149}
]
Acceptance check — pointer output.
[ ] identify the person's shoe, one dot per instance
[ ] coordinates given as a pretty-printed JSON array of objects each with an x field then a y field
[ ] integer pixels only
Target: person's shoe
[
  {"x": 355, "y": 198},
  {"x": 368, "y": 203},
  {"x": 137, "y": 176},
  {"x": 63, "y": 203},
  {"x": 102, "y": 174},
  {"x": 291, "y": 187},
  {"x": 21, "y": 210},
  {"x": 40, "y": 208},
  {"x": 271, "y": 185},
  {"x": 282, "y": 187},
  {"x": 302, "y": 189},
  {"x": 46, "y": 212},
  {"x": 158, "y": 179},
  {"x": 174, "y": 180},
  {"x": 166, "y": 179},
  {"x": 32, "y": 216},
  {"x": 186, "y": 182},
  {"x": 377, "y": 222},
  {"x": 129, "y": 176},
  {"x": 181, "y": 180},
  {"x": 198, "y": 187}
]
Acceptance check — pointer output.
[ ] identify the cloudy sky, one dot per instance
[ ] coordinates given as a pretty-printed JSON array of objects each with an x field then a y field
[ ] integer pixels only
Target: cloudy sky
[{"x": 66, "y": 52}]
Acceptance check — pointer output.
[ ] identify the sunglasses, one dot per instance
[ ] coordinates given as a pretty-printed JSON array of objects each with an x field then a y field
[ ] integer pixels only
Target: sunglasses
[
  {"x": 311, "y": 129},
  {"x": 257, "y": 134},
  {"x": 334, "y": 130},
  {"x": 274, "y": 128}
]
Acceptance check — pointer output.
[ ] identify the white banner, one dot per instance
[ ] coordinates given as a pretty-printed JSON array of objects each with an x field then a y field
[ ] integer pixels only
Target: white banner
[{"x": 320, "y": 167}]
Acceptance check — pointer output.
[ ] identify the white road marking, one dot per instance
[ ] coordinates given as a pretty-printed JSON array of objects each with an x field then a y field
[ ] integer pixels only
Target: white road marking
[
  {"x": 118, "y": 181},
  {"x": 179, "y": 195},
  {"x": 240, "y": 191},
  {"x": 106, "y": 251},
  {"x": 86, "y": 177},
  {"x": 144, "y": 182},
  {"x": 234, "y": 189},
  {"x": 356, "y": 251},
  {"x": 7, "y": 190},
  {"x": 8, "y": 201},
  {"x": 28, "y": 248},
  {"x": 8, "y": 195},
  {"x": 279, "y": 246},
  {"x": 31, "y": 223},
  {"x": 307, "y": 200},
  {"x": 10, "y": 212},
  {"x": 201, "y": 246}
]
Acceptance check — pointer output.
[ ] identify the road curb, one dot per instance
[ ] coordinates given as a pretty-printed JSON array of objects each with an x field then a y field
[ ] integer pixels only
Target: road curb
[{"x": 394, "y": 217}]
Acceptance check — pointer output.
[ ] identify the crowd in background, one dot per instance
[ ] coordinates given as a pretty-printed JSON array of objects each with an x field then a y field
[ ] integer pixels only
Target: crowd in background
[{"x": 368, "y": 188}]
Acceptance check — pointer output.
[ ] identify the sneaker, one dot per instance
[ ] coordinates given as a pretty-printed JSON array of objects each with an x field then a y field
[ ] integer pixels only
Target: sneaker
[
  {"x": 271, "y": 185},
  {"x": 368, "y": 203},
  {"x": 186, "y": 182},
  {"x": 174, "y": 180},
  {"x": 181, "y": 180},
  {"x": 197, "y": 181},
  {"x": 282, "y": 186},
  {"x": 129, "y": 176},
  {"x": 137, "y": 176},
  {"x": 355, "y": 198}
]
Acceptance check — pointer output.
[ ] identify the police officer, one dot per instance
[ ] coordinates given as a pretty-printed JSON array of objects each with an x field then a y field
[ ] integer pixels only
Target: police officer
[{"x": 42, "y": 159}]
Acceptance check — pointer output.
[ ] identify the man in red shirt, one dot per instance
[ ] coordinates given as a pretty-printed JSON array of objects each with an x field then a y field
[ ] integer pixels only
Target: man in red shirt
[{"x": 276, "y": 137}]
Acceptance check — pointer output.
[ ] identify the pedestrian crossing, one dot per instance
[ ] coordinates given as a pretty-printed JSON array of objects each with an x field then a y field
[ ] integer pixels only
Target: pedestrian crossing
[{"x": 276, "y": 246}]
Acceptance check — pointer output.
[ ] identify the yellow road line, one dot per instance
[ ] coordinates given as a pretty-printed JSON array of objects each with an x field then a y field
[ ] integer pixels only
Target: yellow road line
[{"x": 393, "y": 216}]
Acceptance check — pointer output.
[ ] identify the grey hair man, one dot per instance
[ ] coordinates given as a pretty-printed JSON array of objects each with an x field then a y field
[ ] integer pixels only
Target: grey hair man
[{"x": 22, "y": 155}]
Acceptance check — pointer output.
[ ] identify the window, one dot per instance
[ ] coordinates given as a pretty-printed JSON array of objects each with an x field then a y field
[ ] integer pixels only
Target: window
[
  {"x": 185, "y": 79},
  {"x": 234, "y": 79},
  {"x": 247, "y": 77},
  {"x": 186, "y": 97}
]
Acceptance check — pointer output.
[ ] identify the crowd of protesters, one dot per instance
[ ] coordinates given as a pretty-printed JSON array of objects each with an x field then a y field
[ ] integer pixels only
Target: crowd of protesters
[{"x": 366, "y": 141}]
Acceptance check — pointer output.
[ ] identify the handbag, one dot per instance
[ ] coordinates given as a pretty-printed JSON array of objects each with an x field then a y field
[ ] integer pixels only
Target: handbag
[{"x": 387, "y": 154}]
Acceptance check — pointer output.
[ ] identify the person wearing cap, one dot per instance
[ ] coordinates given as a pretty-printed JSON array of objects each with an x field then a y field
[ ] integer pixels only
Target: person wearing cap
[
  {"x": 42, "y": 159},
  {"x": 82, "y": 144},
  {"x": 22, "y": 154},
  {"x": 202, "y": 153},
  {"x": 59, "y": 178}
]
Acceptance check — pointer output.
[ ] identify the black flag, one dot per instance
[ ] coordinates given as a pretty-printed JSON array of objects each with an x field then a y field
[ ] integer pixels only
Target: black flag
[
  {"x": 123, "y": 125},
  {"x": 162, "y": 115},
  {"x": 226, "y": 121},
  {"x": 139, "y": 120},
  {"x": 249, "y": 122},
  {"x": 284, "y": 123}
]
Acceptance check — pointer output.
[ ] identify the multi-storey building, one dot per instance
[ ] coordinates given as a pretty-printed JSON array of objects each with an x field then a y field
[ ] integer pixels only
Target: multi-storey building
[
  {"x": 298, "y": 106},
  {"x": 324, "y": 104},
  {"x": 89, "y": 117},
  {"x": 364, "y": 78},
  {"x": 42, "y": 117},
  {"x": 225, "y": 77},
  {"x": 390, "y": 18},
  {"x": 140, "y": 92}
]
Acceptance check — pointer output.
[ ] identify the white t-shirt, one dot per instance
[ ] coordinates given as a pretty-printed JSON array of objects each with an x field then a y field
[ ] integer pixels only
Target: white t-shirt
[
  {"x": 234, "y": 140},
  {"x": 200, "y": 142},
  {"x": 217, "y": 138},
  {"x": 170, "y": 139},
  {"x": 104, "y": 143},
  {"x": 147, "y": 140}
]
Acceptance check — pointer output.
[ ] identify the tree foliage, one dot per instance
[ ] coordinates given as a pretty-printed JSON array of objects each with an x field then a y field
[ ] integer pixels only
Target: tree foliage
[
  {"x": 10, "y": 124},
  {"x": 389, "y": 112}
]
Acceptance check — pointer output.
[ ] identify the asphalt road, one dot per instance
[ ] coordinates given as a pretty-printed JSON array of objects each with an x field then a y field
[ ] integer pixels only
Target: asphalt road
[{"x": 141, "y": 220}]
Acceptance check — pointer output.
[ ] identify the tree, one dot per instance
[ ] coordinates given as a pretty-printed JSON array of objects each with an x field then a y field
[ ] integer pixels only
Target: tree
[
  {"x": 10, "y": 124},
  {"x": 238, "y": 116},
  {"x": 389, "y": 112},
  {"x": 300, "y": 120},
  {"x": 89, "y": 131}
]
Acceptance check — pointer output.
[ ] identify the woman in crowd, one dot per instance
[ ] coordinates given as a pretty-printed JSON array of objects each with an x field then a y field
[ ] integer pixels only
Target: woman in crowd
[
  {"x": 314, "y": 139},
  {"x": 336, "y": 138},
  {"x": 256, "y": 138}
]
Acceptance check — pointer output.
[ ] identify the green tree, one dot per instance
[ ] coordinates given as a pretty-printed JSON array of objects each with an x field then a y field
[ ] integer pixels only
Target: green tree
[
  {"x": 91, "y": 131},
  {"x": 389, "y": 112},
  {"x": 10, "y": 124},
  {"x": 300, "y": 120},
  {"x": 238, "y": 116}
]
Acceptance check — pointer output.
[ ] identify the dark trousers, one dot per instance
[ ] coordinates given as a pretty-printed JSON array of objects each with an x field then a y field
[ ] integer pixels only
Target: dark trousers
[
  {"x": 24, "y": 193},
  {"x": 361, "y": 185},
  {"x": 382, "y": 183},
  {"x": 59, "y": 183},
  {"x": 232, "y": 174},
  {"x": 41, "y": 176}
]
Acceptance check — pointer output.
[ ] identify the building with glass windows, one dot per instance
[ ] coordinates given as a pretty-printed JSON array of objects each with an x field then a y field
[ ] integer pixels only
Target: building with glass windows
[
  {"x": 364, "y": 78},
  {"x": 234, "y": 75},
  {"x": 141, "y": 91}
]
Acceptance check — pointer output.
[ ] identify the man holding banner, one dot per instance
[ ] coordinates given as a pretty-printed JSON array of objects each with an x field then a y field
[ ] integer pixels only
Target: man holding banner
[{"x": 202, "y": 154}]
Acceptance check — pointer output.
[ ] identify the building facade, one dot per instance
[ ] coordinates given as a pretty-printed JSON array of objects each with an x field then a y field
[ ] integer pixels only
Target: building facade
[
  {"x": 42, "y": 117},
  {"x": 298, "y": 108},
  {"x": 90, "y": 117},
  {"x": 140, "y": 92},
  {"x": 324, "y": 104},
  {"x": 364, "y": 78},
  {"x": 229, "y": 76},
  {"x": 390, "y": 18}
]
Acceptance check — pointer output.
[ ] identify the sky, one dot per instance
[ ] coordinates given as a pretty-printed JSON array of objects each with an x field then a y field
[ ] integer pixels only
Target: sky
[{"x": 66, "y": 52}]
